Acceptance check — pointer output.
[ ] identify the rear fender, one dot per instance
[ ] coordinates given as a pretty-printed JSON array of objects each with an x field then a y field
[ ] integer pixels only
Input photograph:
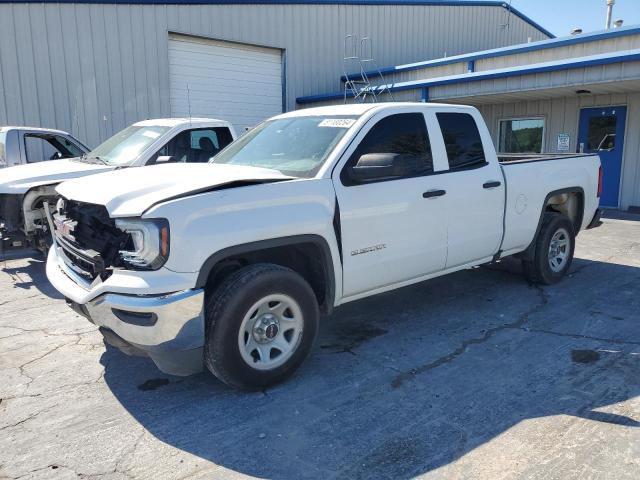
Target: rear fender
[{"x": 577, "y": 221}]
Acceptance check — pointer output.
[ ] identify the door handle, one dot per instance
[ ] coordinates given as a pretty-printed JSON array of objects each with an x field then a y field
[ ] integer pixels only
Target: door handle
[
  {"x": 434, "y": 193},
  {"x": 491, "y": 184}
]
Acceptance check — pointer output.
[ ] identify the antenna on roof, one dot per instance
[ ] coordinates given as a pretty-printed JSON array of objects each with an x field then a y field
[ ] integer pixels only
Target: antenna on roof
[
  {"x": 505, "y": 26},
  {"x": 189, "y": 103}
]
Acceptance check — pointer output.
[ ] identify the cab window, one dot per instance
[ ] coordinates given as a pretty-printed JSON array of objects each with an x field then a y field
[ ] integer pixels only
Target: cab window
[
  {"x": 195, "y": 146},
  {"x": 462, "y": 140},
  {"x": 41, "y": 147},
  {"x": 397, "y": 144}
]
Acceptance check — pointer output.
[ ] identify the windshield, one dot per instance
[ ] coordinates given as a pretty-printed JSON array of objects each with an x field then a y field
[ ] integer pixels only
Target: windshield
[
  {"x": 125, "y": 146},
  {"x": 295, "y": 146}
]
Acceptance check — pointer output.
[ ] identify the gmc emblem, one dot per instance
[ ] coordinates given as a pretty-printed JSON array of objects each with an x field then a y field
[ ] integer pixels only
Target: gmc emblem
[{"x": 64, "y": 227}]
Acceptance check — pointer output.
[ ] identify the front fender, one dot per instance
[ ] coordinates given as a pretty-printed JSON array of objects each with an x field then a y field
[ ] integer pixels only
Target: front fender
[{"x": 205, "y": 224}]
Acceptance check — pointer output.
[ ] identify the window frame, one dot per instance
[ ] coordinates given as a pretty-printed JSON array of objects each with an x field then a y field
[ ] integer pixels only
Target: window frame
[
  {"x": 526, "y": 117},
  {"x": 365, "y": 130}
]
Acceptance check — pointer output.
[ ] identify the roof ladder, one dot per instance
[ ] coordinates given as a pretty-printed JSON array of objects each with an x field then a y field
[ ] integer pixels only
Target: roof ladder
[
  {"x": 366, "y": 59},
  {"x": 358, "y": 86}
]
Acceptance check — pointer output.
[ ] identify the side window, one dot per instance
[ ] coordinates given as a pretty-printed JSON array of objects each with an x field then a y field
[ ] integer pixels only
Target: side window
[
  {"x": 462, "y": 140},
  {"x": 195, "y": 146},
  {"x": 39, "y": 148},
  {"x": 68, "y": 148},
  {"x": 398, "y": 142}
]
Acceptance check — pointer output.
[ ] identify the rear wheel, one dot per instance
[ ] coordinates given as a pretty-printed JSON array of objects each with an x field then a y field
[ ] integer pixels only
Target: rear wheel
[
  {"x": 261, "y": 324},
  {"x": 553, "y": 250}
]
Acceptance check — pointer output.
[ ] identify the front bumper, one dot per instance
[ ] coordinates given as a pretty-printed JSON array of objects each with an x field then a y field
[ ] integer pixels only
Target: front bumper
[{"x": 169, "y": 328}]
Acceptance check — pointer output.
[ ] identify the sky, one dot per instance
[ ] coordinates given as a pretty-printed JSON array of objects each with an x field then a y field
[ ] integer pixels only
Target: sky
[{"x": 562, "y": 16}]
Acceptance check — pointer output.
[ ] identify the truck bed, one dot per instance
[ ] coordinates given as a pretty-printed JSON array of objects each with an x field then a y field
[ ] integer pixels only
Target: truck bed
[{"x": 530, "y": 179}]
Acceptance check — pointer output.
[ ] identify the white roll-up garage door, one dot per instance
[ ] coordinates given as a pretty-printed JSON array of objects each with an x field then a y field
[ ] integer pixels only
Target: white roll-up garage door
[{"x": 230, "y": 81}]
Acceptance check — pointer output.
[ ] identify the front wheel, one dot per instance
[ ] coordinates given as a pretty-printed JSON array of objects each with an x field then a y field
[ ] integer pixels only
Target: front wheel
[
  {"x": 261, "y": 324},
  {"x": 553, "y": 250}
]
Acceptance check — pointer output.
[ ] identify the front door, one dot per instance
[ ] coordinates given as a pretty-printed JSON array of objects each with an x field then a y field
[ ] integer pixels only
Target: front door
[
  {"x": 394, "y": 228},
  {"x": 601, "y": 131}
]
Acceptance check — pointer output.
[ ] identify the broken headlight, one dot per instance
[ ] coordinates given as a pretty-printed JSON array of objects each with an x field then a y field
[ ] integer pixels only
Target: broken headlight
[{"x": 148, "y": 245}]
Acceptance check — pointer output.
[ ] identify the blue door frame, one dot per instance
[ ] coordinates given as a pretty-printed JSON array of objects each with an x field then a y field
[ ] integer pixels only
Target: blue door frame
[{"x": 607, "y": 127}]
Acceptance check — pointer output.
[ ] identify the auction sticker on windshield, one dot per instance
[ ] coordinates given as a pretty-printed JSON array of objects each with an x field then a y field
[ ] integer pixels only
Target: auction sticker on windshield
[
  {"x": 337, "y": 122},
  {"x": 150, "y": 134}
]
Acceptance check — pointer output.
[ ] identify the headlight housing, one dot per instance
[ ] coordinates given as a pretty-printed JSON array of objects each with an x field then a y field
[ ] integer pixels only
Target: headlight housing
[{"x": 148, "y": 244}]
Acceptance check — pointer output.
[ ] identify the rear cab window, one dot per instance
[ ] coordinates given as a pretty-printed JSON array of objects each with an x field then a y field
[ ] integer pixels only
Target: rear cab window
[{"x": 462, "y": 140}]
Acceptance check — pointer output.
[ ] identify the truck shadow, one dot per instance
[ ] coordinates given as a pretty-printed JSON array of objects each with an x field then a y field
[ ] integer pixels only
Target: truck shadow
[
  {"x": 410, "y": 381},
  {"x": 30, "y": 274}
]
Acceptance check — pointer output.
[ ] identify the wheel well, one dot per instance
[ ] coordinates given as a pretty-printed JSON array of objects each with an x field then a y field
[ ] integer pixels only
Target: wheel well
[
  {"x": 308, "y": 259},
  {"x": 32, "y": 206},
  {"x": 570, "y": 204}
]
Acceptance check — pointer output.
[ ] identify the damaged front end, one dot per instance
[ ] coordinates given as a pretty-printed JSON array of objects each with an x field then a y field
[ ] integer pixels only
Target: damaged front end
[
  {"x": 11, "y": 234},
  {"x": 23, "y": 221},
  {"x": 92, "y": 244},
  {"x": 88, "y": 239}
]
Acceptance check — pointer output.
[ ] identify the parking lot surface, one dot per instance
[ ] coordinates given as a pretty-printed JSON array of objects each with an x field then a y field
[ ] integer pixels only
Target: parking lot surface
[{"x": 472, "y": 375}]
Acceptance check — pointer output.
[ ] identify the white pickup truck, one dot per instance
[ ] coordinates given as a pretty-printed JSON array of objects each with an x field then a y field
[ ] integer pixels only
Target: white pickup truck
[
  {"x": 25, "y": 188},
  {"x": 230, "y": 264}
]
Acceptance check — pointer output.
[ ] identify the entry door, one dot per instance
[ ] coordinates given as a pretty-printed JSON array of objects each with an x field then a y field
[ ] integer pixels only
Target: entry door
[
  {"x": 231, "y": 81},
  {"x": 602, "y": 131},
  {"x": 393, "y": 229}
]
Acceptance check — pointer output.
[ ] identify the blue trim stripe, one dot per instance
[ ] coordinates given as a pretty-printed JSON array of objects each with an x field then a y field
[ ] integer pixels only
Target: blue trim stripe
[
  {"x": 456, "y": 3},
  {"x": 511, "y": 50},
  {"x": 555, "y": 66}
]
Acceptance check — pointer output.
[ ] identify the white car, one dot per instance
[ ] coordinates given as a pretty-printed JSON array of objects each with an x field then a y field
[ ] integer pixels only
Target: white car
[
  {"x": 25, "y": 188},
  {"x": 230, "y": 264}
]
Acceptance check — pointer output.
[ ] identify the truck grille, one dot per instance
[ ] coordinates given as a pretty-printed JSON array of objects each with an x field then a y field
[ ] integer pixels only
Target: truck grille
[{"x": 88, "y": 238}]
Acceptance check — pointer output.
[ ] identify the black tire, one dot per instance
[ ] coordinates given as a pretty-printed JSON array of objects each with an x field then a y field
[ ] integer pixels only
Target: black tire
[
  {"x": 226, "y": 308},
  {"x": 539, "y": 270}
]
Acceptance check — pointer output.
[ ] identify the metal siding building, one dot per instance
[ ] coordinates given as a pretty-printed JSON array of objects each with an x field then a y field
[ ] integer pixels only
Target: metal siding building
[
  {"x": 93, "y": 68},
  {"x": 563, "y": 82}
]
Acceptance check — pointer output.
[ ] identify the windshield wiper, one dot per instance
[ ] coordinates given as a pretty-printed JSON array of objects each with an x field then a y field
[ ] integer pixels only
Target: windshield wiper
[
  {"x": 91, "y": 159},
  {"x": 100, "y": 160}
]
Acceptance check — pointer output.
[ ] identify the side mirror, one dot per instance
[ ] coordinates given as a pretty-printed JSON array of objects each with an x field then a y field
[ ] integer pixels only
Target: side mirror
[
  {"x": 165, "y": 159},
  {"x": 380, "y": 166}
]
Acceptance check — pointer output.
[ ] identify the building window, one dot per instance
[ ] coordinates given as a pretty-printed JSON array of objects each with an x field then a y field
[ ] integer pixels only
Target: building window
[{"x": 521, "y": 135}]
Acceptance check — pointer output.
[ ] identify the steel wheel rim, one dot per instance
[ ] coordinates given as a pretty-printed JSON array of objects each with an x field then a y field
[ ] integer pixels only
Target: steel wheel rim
[
  {"x": 270, "y": 332},
  {"x": 559, "y": 248}
]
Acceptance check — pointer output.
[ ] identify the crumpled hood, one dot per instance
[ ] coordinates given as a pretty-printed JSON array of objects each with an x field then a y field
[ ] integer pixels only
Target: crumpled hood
[
  {"x": 21, "y": 178},
  {"x": 130, "y": 192}
]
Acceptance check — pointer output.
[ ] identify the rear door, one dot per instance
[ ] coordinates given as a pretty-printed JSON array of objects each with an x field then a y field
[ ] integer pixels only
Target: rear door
[
  {"x": 390, "y": 231},
  {"x": 474, "y": 188},
  {"x": 602, "y": 131}
]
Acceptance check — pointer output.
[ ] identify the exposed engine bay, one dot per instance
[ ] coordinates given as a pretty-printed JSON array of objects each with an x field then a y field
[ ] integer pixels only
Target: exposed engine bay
[
  {"x": 89, "y": 239},
  {"x": 23, "y": 222}
]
